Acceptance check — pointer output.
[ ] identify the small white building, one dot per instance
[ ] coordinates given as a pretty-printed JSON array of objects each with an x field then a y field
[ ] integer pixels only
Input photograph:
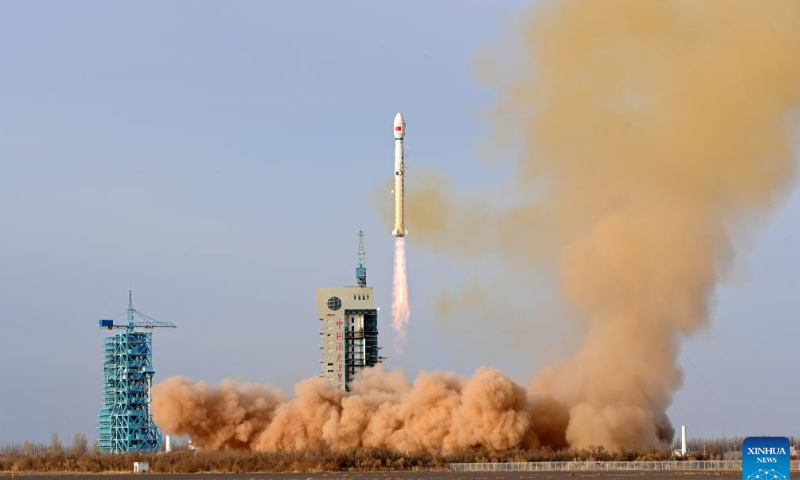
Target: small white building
[{"x": 141, "y": 467}]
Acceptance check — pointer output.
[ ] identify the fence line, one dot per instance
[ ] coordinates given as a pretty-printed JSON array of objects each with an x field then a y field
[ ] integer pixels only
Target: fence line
[{"x": 688, "y": 465}]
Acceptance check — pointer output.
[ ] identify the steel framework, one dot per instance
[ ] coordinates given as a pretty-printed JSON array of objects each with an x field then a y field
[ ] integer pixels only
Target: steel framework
[
  {"x": 361, "y": 344},
  {"x": 125, "y": 423}
]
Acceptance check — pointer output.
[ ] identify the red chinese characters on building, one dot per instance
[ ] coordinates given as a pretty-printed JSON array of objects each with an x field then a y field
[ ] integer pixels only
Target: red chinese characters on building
[{"x": 339, "y": 356}]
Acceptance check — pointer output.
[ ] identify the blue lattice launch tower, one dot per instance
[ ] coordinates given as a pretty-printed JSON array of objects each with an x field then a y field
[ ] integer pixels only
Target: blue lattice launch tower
[{"x": 125, "y": 423}]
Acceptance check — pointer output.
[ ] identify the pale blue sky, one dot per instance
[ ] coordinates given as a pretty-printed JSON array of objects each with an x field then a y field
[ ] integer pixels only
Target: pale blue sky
[{"x": 219, "y": 158}]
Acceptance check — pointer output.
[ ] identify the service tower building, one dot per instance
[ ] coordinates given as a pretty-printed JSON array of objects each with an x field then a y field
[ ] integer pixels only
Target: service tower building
[{"x": 349, "y": 327}]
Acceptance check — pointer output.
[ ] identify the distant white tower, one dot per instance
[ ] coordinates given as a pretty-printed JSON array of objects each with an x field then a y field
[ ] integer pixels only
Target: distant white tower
[{"x": 683, "y": 440}]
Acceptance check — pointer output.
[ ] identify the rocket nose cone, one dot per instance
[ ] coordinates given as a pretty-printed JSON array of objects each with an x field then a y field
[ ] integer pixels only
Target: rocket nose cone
[{"x": 398, "y": 119}]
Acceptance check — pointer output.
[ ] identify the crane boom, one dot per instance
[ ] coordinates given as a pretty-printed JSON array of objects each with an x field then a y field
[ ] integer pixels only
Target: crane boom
[{"x": 132, "y": 314}]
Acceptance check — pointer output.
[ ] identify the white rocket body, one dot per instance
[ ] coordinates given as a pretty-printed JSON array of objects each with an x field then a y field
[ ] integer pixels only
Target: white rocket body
[{"x": 399, "y": 174}]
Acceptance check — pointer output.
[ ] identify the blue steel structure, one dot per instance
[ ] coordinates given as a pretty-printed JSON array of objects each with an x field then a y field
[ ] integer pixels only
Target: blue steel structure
[{"x": 125, "y": 423}]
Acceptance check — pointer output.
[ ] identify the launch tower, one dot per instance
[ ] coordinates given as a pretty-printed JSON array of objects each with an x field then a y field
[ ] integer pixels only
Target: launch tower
[
  {"x": 125, "y": 423},
  {"x": 349, "y": 327}
]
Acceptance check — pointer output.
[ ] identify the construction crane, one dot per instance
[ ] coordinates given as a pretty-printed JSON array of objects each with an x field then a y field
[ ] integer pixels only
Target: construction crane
[
  {"x": 133, "y": 314},
  {"x": 125, "y": 423}
]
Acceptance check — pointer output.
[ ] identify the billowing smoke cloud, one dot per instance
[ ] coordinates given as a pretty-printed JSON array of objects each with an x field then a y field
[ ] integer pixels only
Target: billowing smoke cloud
[
  {"x": 650, "y": 135},
  {"x": 223, "y": 417},
  {"x": 438, "y": 410}
]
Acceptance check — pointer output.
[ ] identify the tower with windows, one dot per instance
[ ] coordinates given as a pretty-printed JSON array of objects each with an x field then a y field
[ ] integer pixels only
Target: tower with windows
[{"x": 349, "y": 322}]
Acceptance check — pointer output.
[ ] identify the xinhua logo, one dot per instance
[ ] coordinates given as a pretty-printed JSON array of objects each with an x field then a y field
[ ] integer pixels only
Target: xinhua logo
[{"x": 766, "y": 458}]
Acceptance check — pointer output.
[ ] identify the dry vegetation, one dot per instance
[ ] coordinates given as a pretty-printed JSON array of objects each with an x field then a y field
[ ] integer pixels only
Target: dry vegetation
[
  {"x": 320, "y": 459},
  {"x": 33, "y": 457},
  {"x": 720, "y": 445}
]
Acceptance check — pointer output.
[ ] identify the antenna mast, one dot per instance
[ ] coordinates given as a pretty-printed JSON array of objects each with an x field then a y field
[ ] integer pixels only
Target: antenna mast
[{"x": 361, "y": 269}]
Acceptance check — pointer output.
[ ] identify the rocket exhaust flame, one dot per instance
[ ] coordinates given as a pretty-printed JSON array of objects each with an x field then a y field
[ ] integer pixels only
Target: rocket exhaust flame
[{"x": 400, "y": 309}]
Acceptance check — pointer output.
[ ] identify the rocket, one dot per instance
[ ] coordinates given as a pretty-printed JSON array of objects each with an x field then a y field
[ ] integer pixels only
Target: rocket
[{"x": 399, "y": 173}]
